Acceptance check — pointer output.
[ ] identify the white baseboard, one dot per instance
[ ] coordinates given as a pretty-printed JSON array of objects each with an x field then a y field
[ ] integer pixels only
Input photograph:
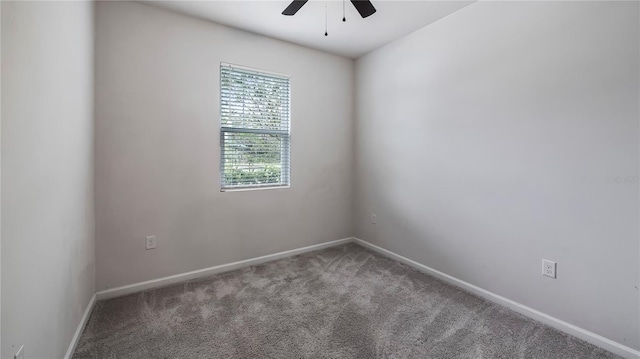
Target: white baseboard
[
  {"x": 161, "y": 282},
  {"x": 556, "y": 323},
  {"x": 83, "y": 322}
]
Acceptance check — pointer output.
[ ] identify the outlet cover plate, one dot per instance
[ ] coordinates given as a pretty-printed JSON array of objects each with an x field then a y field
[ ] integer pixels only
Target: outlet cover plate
[
  {"x": 549, "y": 268},
  {"x": 151, "y": 242}
]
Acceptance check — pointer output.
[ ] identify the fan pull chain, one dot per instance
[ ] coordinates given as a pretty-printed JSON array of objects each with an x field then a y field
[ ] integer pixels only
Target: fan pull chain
[
  {"x": 326, "y": 33},
  {"x": 344, "y": 19}
]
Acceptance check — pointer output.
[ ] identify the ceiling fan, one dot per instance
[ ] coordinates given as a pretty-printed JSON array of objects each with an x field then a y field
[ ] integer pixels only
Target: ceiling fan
[{"x": 364, "y": 7}]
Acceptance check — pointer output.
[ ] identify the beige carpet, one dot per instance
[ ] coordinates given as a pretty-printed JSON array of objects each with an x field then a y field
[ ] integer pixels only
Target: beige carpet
[{"x": 341, "y": 302}]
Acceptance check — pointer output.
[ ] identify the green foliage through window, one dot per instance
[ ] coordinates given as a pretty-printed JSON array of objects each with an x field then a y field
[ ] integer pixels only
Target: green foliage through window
[{"x": 254, "y": 110}]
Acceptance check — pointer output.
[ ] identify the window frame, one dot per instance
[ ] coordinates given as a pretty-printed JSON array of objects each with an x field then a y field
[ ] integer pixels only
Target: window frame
[{"x": 286, "y": 135}]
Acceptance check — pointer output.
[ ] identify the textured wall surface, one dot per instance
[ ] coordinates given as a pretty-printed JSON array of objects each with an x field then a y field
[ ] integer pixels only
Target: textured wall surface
[
  {"x": 158, "y": 154},
  {"x": 48, "y": 260},
  {"x": 503, "y": 134}
]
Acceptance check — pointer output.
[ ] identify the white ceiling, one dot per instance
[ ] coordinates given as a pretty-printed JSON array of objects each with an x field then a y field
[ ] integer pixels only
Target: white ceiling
[{"x": 353, "y": 38}]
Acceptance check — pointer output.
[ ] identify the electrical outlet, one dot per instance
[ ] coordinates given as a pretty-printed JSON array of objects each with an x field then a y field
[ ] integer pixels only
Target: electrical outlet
[
  {"x": 19, "y": 353},
  {"x": 549, "y": 268},
  {"x": 373, "y": 218},
  {"x": 151, "y": 242}
]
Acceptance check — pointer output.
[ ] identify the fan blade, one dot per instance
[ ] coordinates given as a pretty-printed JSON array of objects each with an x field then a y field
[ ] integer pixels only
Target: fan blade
[
  {"x": 364, "y": 7},
  {"x": 293, "y": 8}
]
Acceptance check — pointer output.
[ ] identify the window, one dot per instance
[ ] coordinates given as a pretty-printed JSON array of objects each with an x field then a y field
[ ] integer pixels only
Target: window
[{"x": 254, "y": 128}]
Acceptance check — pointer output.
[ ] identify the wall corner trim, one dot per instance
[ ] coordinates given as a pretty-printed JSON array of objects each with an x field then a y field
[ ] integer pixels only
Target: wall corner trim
[
  {"x": 81, "y": 325},
  {"x": 183, "y": 277},
  {"x": 541, "y": 317}
]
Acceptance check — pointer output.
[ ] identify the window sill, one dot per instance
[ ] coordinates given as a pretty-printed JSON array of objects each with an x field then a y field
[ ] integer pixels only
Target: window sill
[{"x": 244, "y": 189}]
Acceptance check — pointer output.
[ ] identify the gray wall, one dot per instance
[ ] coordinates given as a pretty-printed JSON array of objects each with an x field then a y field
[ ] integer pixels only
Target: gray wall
[
  {"x": 504, "y": 134},
  {"x": 157, "y": 147},
  {"x": 48, "y": 264},
  {"x": 0, "y": 181}
]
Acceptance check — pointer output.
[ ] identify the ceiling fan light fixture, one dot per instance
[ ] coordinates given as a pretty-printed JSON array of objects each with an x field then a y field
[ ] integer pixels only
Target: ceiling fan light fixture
[
  {"x": 293, "y": 8},
  {"x": 365, "y": 8}
]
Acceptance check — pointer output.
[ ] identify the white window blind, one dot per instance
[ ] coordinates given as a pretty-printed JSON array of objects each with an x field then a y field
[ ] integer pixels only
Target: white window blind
[{"x": 254, "y": 131}]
